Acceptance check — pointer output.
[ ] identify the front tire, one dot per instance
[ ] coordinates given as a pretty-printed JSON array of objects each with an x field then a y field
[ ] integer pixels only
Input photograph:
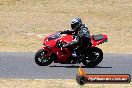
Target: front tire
[
  {"x": 91, "y": 58},
  {"x": 40, "y": 58}
]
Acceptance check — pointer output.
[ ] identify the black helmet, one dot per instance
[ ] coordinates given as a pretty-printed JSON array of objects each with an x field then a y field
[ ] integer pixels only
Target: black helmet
[{"x": 76, "y": 23}]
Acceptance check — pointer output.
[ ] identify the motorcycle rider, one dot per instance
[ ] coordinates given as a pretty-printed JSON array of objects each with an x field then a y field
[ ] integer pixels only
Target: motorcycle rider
[{"x": 81, "y": 36}]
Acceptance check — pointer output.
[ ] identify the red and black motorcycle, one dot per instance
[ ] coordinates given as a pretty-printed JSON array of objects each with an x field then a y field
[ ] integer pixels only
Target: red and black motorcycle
[{"x": 52, "y": 51}]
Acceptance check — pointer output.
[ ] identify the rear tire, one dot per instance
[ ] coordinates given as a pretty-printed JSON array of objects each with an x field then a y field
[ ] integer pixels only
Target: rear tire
[
  {"x": 41, "y": 60},
  {"x": 91, "y": 59}
]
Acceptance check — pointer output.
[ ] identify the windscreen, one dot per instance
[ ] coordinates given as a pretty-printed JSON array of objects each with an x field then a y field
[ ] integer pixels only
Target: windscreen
[{"x": 54, "y": 36}]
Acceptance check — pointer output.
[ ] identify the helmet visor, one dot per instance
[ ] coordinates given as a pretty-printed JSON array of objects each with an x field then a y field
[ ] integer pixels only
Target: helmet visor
[{"x": 74, "y": 25}]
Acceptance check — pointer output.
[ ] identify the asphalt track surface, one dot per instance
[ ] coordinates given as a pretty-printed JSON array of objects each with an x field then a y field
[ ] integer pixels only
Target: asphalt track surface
[{"x": 22, "y": 66}]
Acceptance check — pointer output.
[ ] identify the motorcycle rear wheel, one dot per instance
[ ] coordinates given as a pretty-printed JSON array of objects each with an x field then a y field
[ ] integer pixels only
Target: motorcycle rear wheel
[
  {"x": 41, "y": 60},
  {"x": 91, "y": 59}
]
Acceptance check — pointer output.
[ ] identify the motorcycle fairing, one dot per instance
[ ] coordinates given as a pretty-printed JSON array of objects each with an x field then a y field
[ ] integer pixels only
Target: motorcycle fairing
[{"x": 62, "y": 54}]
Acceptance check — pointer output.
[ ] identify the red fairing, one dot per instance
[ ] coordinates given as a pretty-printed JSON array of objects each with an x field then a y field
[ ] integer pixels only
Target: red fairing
[
  {"x": 50, "y": 43},
  {"x": 67, "y": 38},
  {"x": 62, "y": 54},
  {"x": 49, "y": 51}
]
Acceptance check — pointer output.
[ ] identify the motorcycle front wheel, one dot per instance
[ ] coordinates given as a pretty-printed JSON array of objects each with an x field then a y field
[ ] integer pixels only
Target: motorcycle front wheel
[
  {"x": 93, "y": 57},
  {"x": 41, "y": 59}
]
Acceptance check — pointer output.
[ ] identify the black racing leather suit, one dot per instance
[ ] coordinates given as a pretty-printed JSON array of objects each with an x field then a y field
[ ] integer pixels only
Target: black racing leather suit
[{"x": 81, "y": 37}]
